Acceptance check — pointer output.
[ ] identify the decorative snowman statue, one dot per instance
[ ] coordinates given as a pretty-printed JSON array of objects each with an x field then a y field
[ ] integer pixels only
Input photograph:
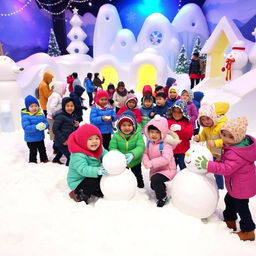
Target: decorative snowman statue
[
  {"x": 236, "y": 60},
  {"x": 193, "y": 191},
  {"x": 10, "y": 95},
  {"x": 252, "y": 55},
  {"x": 120, "y": 183}
]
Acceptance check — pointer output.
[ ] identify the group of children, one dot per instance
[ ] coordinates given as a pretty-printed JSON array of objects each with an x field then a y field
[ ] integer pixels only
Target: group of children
[{"x": 88, "y": 143}]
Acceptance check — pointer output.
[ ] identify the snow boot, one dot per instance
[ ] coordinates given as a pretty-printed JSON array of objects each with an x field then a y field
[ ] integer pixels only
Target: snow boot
[
  {"x": 162, "y": 202},
  {"x": 98, "y": 193},
  {"x": 231, "y": 224},
  {"x": 83, "y": 196},
  {"x": 246, "y": 236},
  {"x": 73, "y": 195}
]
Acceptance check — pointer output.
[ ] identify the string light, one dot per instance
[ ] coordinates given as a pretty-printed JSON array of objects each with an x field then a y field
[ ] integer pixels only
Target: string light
[
  {"x": 55, "y": 13},
  {"x": 50, "y": 4},
  {"x": 18, "y": 11},
  {"x": 180, "y": 2}
]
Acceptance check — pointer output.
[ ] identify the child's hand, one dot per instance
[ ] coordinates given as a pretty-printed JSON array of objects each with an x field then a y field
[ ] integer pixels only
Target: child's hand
[
  {"x": 201, "y": 162},
  {"x": 210, "y": 143},
  {"x": 152, "y": 114},
  {"x": 65, "y": 143},
  {"x": 76, "y": 123},
  {"x": 41, "y": 126},
  {"x": 129, "y": 157},
  {"x": 175, "y": 127},
  {"x": 196, "y": 138},
  {"x": 102, "y": 171},
  {"x": 148, "y": 165}
]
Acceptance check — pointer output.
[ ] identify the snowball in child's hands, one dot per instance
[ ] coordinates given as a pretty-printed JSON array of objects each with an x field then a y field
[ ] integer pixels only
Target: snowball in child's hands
[
  {"x": 41, "y": 126},
  {"x": 175, "y": 127}
]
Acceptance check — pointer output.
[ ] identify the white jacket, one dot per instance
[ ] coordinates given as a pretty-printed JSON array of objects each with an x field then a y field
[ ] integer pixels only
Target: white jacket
[{"x": 119, "y": 100}]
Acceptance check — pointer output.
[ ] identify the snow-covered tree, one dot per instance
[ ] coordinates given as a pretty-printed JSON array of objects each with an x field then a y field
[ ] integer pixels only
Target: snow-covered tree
[
  {"x": 182, "y": 65},
  {"x": 53, "y": 47},
  {"x": 197, "y": 48},
  {"x": 77, "y": 35}
]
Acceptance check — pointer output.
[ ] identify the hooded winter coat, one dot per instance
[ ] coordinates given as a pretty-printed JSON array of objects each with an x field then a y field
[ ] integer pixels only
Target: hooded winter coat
[
  {"x": 238, "y": 168},
  {"x": 44, "y": 89},
  {"x": 160, "y": 162},
  {"x": 219, "y": 119},
  {"x": 198, "y": 96}
]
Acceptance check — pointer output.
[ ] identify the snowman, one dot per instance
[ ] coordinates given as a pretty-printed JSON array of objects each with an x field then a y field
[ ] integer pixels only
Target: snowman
[
  {"x": 120, "y": 183},
  {"x": 194, "y": 191},
  {"x": 10, "y": 95},
  {"x": 236, "y": 60}
]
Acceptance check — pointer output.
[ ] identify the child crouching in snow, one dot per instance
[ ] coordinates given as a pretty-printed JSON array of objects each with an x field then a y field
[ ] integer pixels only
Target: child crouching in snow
[
  {"x": 238, "y": 168},
  {"x": 85, "y": 167},
  {"x": 34, "y": 123},
  {"x": 158, "y": 157}
]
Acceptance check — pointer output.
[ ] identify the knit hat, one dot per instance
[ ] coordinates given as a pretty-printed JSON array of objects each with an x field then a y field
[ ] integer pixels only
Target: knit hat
[
  {"x": 208, "y": 110},
  {"x": 182, "y": 105},
  {"x": 170, "y": 81},
  {"x": 98, "y": 95},
  {"x": 30, "y": 100},
  {"x": 128, "y": 116},
  {"x": 131, "y": 97},
  {"x": 237, "y": 127},
  {"x": 190, "y": 94}
]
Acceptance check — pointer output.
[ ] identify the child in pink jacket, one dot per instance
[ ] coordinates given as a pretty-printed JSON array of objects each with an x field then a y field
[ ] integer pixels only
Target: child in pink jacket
[
  {"x": 239, "y": 170},
  {"x": 158, "y": 157}
]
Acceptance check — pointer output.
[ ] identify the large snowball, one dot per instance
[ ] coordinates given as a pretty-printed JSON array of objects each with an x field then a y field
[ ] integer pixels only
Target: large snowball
[
  {"x": 119, "y": 187},
  {"x": 114, "y": 162},
  {"x": 194, "y": 194},
  {"x": 193, "y": 153}
]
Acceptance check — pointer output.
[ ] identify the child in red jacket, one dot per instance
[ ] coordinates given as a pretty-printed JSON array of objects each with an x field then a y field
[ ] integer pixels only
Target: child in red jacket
[{"x": 179, "y": 123}]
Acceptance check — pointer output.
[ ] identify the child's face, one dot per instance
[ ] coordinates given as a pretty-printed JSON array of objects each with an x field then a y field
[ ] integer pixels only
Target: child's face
[
  {"x": 33, "y": 108},
  {"x": 111, "y": 90},
  {"x": 120, "y": 88},
  {"x": 126, "y": 128},
  {"x": 173, "y": 94},
  {"x": 160, "y": 101},
  {"x": 69, "y": 107},
  {"x": 93, "y": 142},
  {"x": 154, "y": 135},
  {"x": 148, "y": 103},
  {"x": 206, "y": 121},
  {"x": 131, "y": 104},
  {"x": 227, "y": 138},
  {"x": 185, "y": 97},
  {"x": 177, "y": 114},
  {"x": 103, "y": 101}
]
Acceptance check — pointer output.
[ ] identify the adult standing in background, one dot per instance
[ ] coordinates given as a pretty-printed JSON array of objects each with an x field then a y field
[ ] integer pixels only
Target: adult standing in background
[
  {"x": 76, "y": 80},
  {"x": 194, "y": 70},
  {"x": 97, "y": 82},
  {"x": 89, "y": 87}
]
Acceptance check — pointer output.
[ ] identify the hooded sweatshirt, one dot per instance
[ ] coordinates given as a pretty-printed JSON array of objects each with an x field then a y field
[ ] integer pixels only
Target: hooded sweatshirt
[
  {"x": 217, "y": 113},
  {"x": 161, "y": 162},
  {"x": 44, "y": 89},
  {"x": 84, "y": 163},
  {"x": 238, "y": 168}
]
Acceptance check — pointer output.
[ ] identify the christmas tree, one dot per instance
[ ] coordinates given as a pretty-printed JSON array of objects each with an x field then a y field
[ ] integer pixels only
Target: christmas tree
[
  {"x": 77, "y": 35},
  {"x": 53, "y": 48},
  {"x": 198, "y": 48},
  {"x": 182, "y": 65}
]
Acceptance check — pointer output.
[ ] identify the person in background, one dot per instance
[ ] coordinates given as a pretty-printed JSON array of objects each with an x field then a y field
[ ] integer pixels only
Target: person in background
[
  {"x": 146, "y": 109},
  {"x": 158, "y": 157},
  {"x": 198, "y": 96},
  {"x": 76, "y": 80},
  {"x": 76, "y": 95},
  {"x": 202, "y": 67},
  {"x": 169, "y": 82},
  {"x": 97, "y": 82},
  {"x": 70, "y": 80},
  {"x": 111, "y": 90},
  {"x": 120, "y": 95},
  {"x": 212, "y": 117},
  {"x": 194, "y": 70},
  {"x": 129, "y": 141},
  {"x": 45, "y": 91},
  {"x": 158, "y": 88},
  {"x": 172, "y": 95},
  {"x": 238, "y": 167},
  {"x": 161, "y": 105},
  {"x": 34, "y": 123},
  {"x": 102, "y": 115},
  {"x": 88, "y": 84}
]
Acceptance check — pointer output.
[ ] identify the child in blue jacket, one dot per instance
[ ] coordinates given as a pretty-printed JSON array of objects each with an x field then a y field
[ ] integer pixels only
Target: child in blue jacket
[
  {"x": 34, "y": 123},
  {"x": 89, "y": 87},
  {"x": 102, "y": 115}
]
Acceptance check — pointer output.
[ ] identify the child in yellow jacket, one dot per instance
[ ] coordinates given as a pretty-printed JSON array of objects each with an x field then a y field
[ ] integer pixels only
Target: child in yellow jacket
[{"x": 212, "y": 117}]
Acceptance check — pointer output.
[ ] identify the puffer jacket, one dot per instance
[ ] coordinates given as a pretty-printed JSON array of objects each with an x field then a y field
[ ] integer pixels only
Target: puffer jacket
[
  {"x": 76, "y": 95},
  {"x": 161, "y": 162}
]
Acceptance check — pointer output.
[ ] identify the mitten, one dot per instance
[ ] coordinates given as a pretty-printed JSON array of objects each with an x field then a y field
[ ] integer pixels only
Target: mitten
[
  {"x": 201, "y": 162},
  {"x": 175, "y": 127},
  {"x": 40, "y": 126},
  {"x": 102, "y": 172},
  {"x": 129, "y": 157}
]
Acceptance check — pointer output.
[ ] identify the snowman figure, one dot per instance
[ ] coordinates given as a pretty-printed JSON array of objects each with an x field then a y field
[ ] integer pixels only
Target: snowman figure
[
  {"x": 120, "y": 183},
  {"x": 236, "y": 60},
  {"x": 10, "y": 95},
  {"x": 194, "y": 191}
]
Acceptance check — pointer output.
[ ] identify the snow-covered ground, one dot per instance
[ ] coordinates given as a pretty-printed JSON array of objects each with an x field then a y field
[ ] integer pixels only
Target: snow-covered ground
[{"x": 38, "y": 218}]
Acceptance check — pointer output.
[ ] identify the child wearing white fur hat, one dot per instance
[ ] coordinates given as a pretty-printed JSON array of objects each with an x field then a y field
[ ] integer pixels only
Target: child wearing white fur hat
[{"x": 239, "y": 170}]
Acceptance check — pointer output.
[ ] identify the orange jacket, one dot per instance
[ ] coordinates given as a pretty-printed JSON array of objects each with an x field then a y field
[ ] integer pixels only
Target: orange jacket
[{"x": 44, "y": 89}]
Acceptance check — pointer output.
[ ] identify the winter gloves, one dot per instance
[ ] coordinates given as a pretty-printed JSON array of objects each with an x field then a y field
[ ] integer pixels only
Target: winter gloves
[
  {"x": 201, "y": 162},
  {"x": 129, "y": 157},
  {"x": 102, "y": 172},
  {"x": 41, "y": 126}
]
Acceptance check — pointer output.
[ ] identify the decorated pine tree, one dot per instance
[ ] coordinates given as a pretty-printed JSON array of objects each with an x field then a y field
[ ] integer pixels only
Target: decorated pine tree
[
  {"x": 182, "y": 62},
  {"x": 53, "y": 48},
  {"x": 77, "y": 35}
]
